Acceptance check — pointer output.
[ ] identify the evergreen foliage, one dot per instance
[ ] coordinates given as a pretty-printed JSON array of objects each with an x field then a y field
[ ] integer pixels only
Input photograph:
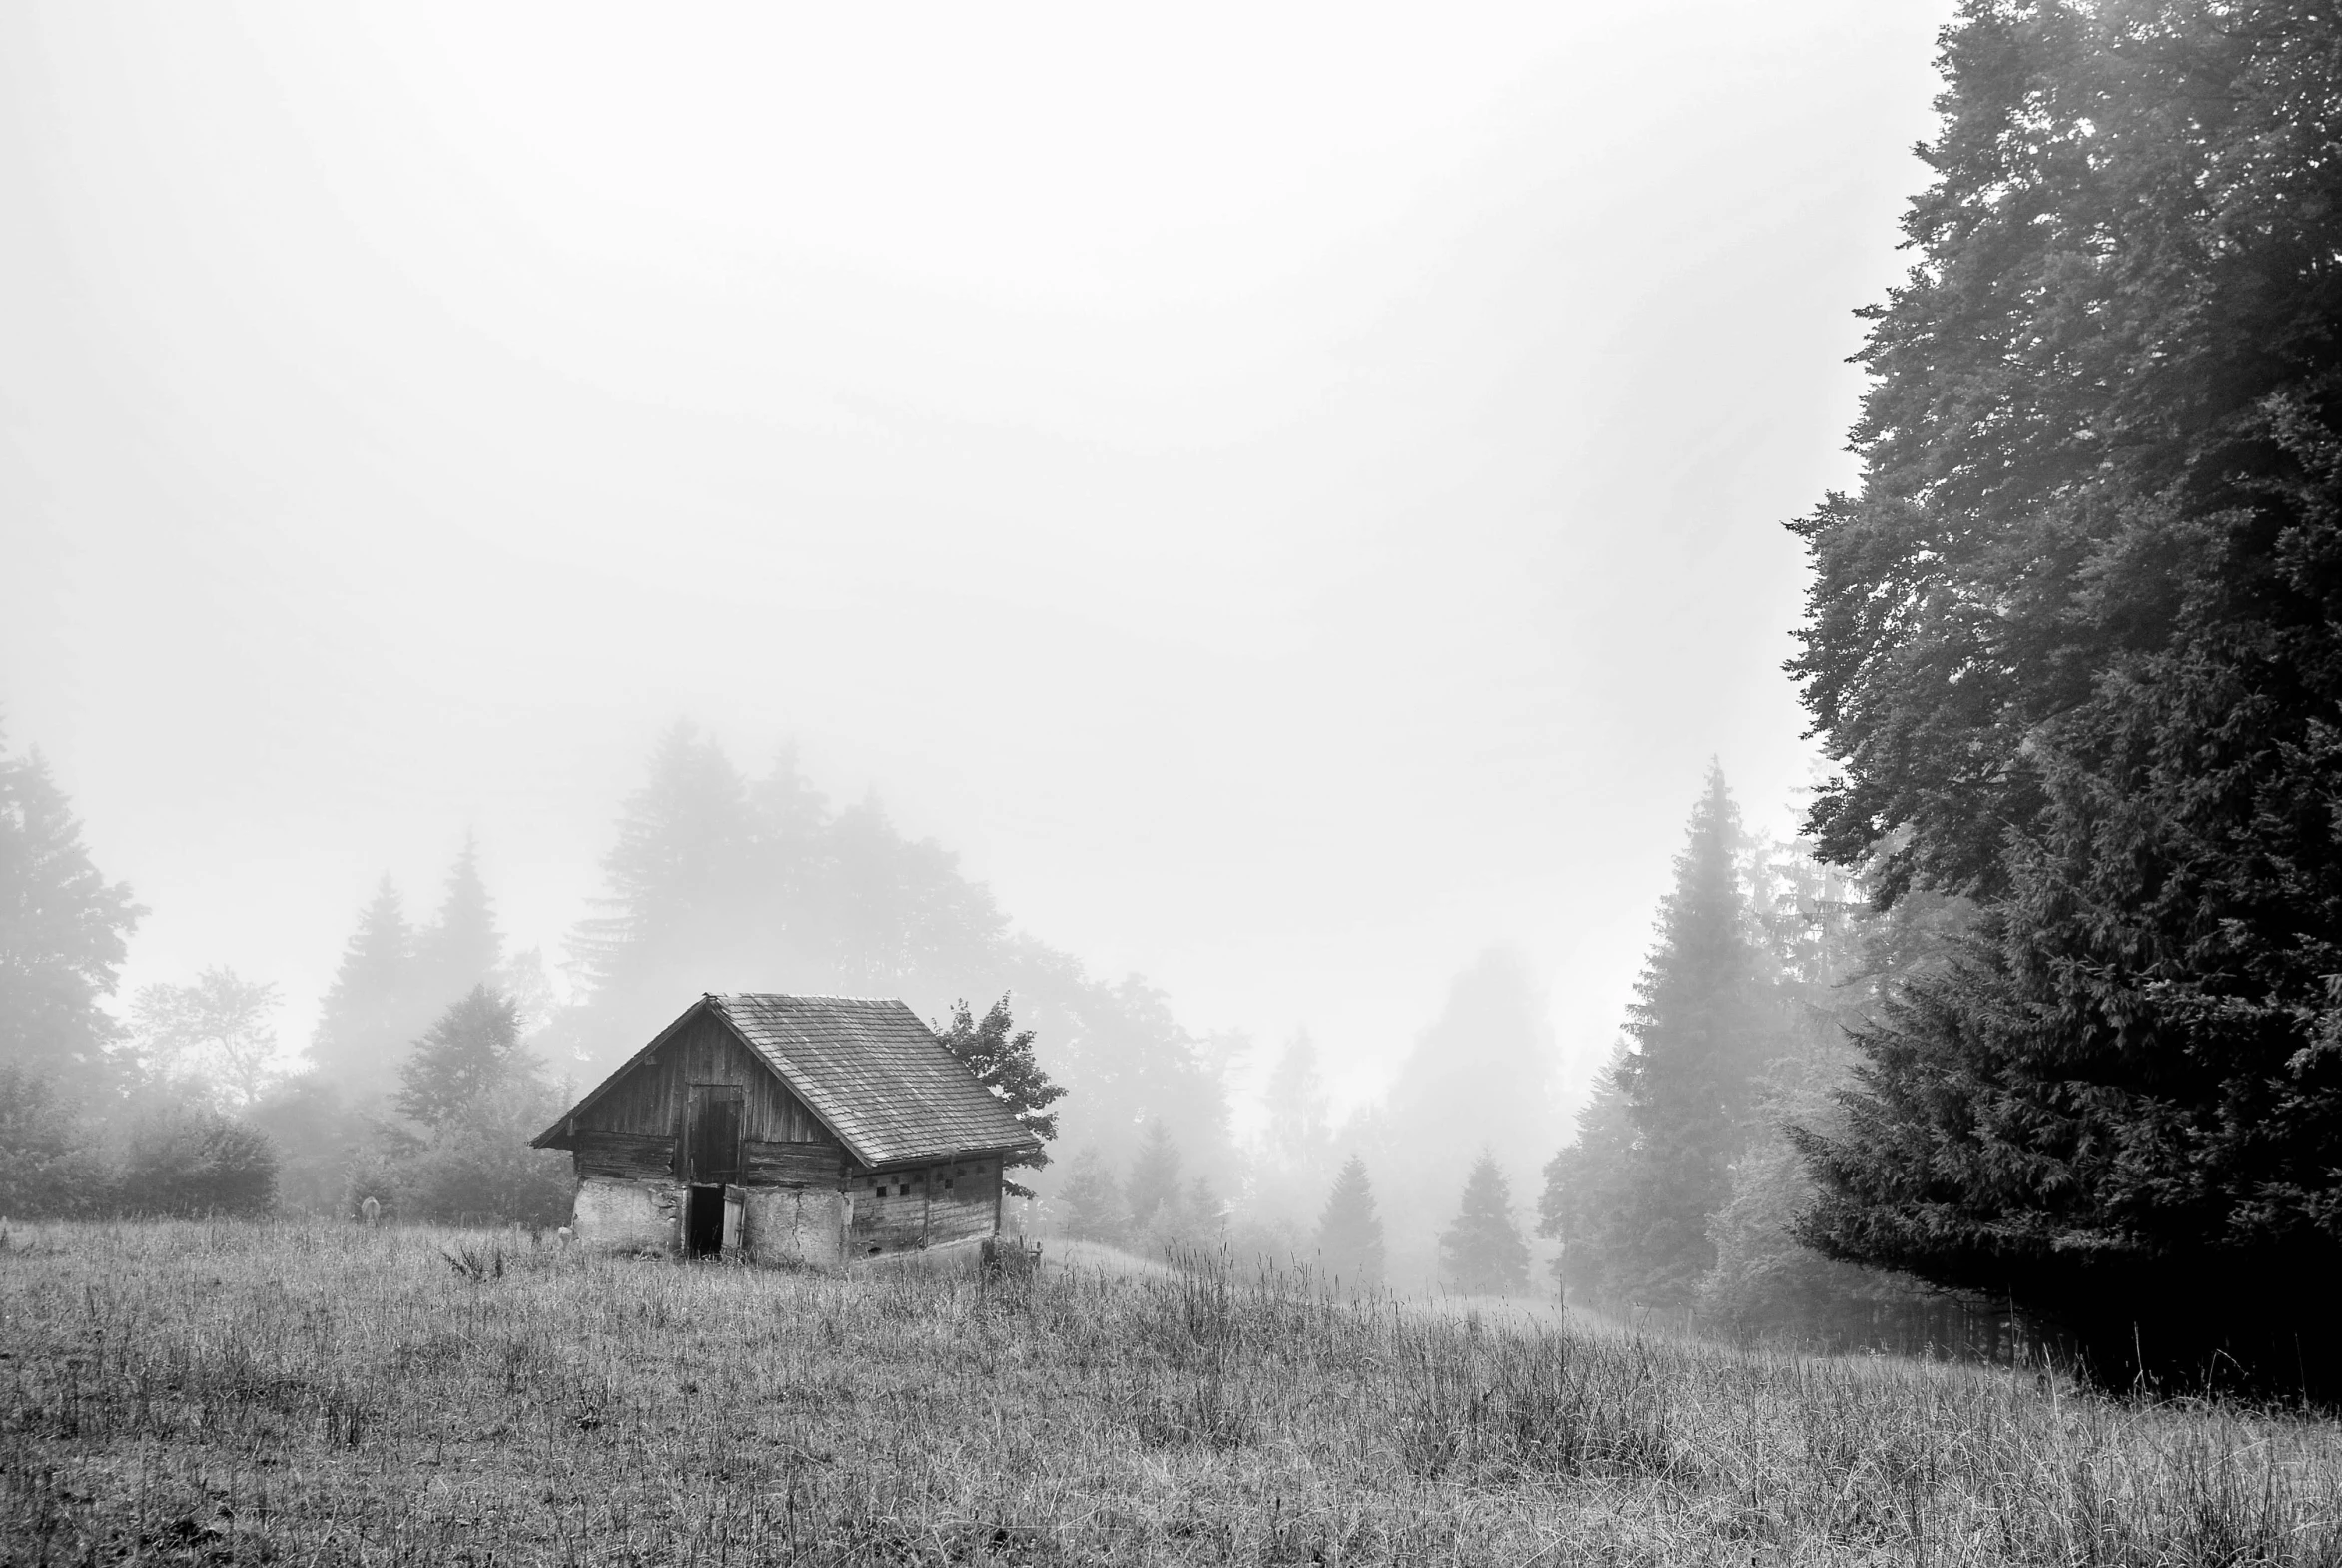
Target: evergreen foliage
[
  {"x": 1587, "y": 1202},
  {"x": 50, "y": 1164},
  {"x": 478, "y": 1095},
  {"x": 370, "y": 1013},
  {"x": 194, "y": 1162},
  {"x": 1349, "y": 1231},
  {"x": 1090, "y": 1200},
  {"x": 1480, "y": 1072},
  {"x": 1003, "y": 1061},
  {"x": 470, "y": 1052},
  {"x": 63, "y": 930},
  {"x": 462, "y": 948},
  {"x": 2077, "y": 645},
  {"x": 1156, "y": 1171},
  {"x": 319, "y": 1136},
  {"x": 1300, "y": 1129},
  {"x": 1657, "y": 1144},
  {"x": 1481, "y": 1252}
]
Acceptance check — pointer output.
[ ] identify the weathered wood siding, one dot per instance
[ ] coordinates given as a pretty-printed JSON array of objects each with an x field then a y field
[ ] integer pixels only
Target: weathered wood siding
[
  {"x": 633, "y": 1131},
  {"x": 641, "y": 1157},
  {"x": 928, "y": 1205},
  {"x": 795, "y": 1165}
]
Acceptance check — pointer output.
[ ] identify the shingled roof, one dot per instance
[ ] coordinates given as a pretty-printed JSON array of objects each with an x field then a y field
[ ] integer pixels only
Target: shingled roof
[
  {"x": 867, "y": 1068},
  {"x": 874, "y": 1075}
]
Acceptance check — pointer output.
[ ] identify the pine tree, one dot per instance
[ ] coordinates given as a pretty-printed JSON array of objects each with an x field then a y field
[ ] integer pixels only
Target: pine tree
[
  {"x": 369, "y": 1014},
  {"x": 63, "y": 930},
  {"x": 462, "y": 948},
  {"x": 1003, "y": 1061},
  {"x": 1702, "y": 1026},
  {"x": 467, "y": 1055},
  {"x": 1588, "y": 1202},
  {"x": 1480, "y": 1072},
  {"x": 1482, "y": 1253},
  {"x": 1155, "y": 1175},
  {"x": 1091, "y": 1201},
  {"x": 1349, "y": 1231}
]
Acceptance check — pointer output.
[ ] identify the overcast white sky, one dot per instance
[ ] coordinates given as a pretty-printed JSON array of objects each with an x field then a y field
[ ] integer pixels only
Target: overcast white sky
[{"x": 1291, "y": 494}]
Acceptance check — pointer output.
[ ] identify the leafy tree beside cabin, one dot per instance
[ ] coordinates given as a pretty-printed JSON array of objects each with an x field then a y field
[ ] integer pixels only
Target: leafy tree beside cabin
[{"x": 1001, "y": 1056}]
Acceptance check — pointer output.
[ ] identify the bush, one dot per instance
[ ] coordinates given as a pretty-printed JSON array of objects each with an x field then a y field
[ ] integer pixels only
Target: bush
[
  {"x": 478, "y": 1169},
  {"x": 194, "y": 1161},
  {"x": 51, "y": 1166}
]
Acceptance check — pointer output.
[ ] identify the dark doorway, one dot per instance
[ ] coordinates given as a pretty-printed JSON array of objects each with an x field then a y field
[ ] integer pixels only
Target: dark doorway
[
  {"x": 714, "y": 1134},
  {"x": 712, "y": 1155},
  {"x": 703, "y": 1226}
]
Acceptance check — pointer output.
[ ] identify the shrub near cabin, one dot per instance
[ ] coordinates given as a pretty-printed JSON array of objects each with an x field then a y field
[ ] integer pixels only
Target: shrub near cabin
[{"x": 805, "y": 1130}]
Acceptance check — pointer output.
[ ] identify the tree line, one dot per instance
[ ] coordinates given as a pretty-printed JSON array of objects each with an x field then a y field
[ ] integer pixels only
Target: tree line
[{"x": 2075, "y": 644}]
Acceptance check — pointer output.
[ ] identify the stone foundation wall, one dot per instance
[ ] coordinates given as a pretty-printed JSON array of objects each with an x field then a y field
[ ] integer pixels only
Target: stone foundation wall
[
  {"x": 793, "y": 1228},
  {"x": 796, "y": 1227},
  {"x": 614, "y": 1216}
]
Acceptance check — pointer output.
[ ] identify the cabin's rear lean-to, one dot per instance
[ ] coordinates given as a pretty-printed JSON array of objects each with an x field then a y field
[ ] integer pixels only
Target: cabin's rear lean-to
[{"x": 806, "y": 1130}]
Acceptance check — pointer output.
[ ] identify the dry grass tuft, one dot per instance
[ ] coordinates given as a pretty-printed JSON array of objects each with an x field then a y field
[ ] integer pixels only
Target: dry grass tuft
[{"x": 238, "y": 1393}]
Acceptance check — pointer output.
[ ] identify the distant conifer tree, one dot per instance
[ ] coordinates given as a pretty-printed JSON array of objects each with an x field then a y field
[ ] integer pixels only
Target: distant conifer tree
[
  {"x": 470, "y": 1053},
  {"x": 1154, "y": 1177},
  {"x": 1586, "y": 1204},
  {"x": 462, "y": 948},
  {"x": 1090, "y": 1200},
  {"x": 1482, "y": 1253},
  {"x": 1349, "y": 1232},
  {"x": 1701, "y": 1026},
  {"x": 62, "y": 930},
  {"x": 1299, "y": 1116},
  {"x": 369, "y": 1014}
]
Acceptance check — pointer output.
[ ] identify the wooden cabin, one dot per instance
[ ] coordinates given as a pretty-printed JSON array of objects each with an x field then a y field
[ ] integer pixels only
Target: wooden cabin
[{"x": 789, "y": 1130}]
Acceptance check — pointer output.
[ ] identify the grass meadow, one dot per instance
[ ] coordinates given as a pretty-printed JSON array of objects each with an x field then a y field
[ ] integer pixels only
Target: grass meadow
[{"x": 295, "y": 1394}]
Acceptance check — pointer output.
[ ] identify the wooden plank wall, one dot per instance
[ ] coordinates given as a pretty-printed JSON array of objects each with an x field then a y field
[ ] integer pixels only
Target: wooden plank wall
[
  {"x": 631, "y": 1157},
  {"x": 902, "y": 1211},
  {"x": 633, "y": 1129}
]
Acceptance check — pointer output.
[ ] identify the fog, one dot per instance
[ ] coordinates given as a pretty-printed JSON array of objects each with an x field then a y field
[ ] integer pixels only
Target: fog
[{"x": 1293, "y": 499}]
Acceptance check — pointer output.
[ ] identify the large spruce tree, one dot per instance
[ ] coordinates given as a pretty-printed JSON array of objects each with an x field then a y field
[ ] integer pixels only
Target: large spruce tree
[
  {"x": 1699, "y": 1029},
  {"x": 2077, "y": 646}
]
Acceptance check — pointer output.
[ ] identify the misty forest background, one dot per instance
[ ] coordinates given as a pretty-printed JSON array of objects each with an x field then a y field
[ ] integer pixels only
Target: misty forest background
[
  {"x": 439, "y": 1052},
  {"x": 2043, "y": 1019}
]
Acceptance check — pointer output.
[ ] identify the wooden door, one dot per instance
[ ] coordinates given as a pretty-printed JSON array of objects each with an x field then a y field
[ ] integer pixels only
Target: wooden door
[{"x": 712, "y": 1134}]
